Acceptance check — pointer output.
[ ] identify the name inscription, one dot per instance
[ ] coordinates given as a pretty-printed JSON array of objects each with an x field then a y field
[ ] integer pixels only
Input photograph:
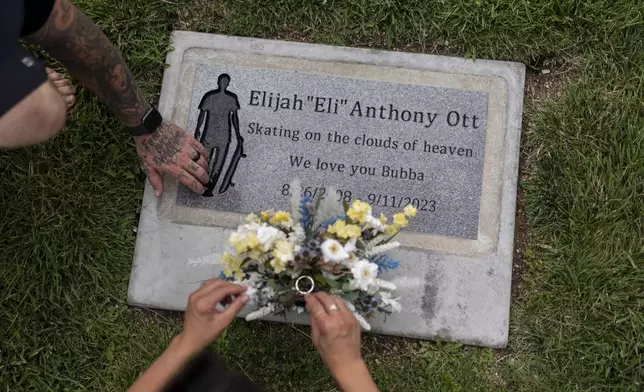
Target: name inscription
[{"x": 390, "y": 144}]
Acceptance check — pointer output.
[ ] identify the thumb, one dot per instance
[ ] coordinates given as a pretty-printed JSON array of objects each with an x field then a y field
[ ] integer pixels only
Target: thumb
[
  {"x": 156, "y": 181},
  {"x": 227, "y": 316}
]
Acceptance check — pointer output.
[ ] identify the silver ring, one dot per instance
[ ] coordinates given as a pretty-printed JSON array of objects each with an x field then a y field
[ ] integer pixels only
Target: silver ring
[
  {"x": 333, "y": 307},
  {"x": 297, "y": 285}
]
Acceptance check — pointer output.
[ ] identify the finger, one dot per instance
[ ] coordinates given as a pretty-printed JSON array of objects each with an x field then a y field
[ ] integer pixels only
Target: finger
[
  {"x": 155, "y": 180},
  {"x": 61, "y": 83},
  {"x": 203, "y": 162},
  {"x": 194, "y": 169},
  {"x": 197, "y": 146},
  {"x": 207, "y": 283},
  {"x": 208, "y": 301},
  {"x": 186, "y": 179},
  {"x": 196, "y": 156},
  {"x": 227, "y": 316},
  {"x": 341, "y": 305},
  {"x": 315, "y": 308},
  {"x": 348, "y": 315},
  {"x": 208, "y": 287},
  {"x": 328, "y": 301}
]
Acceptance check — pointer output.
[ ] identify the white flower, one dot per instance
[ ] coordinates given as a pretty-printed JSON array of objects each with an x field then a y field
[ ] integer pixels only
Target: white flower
[
  {"x": 383, "y": 284},
  {"x": 361, "y": 320},
  {"x": 375, "y": 223},
  {"x": 364, "y": 274},
  {"x": 251, "y": 292},
  {"x": 261, "y": 312},
  {"x": 297, "y": 236},
  {"x": 384, "y": 248},
  {"x": 235, "y": 237},
  {"x": 350, "y": 246},
  {"x": 350, "y": 261},
  {"x": 387, "y": 300},
  {"x": 377, "y": 240},
  {"x": 333, "y": 251},
  {"x": 267, "y": 235},
  {"x": 248, "y": 228}
]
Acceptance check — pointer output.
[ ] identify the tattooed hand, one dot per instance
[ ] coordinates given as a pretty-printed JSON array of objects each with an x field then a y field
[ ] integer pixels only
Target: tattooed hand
[{"x": 172, "y": 151}]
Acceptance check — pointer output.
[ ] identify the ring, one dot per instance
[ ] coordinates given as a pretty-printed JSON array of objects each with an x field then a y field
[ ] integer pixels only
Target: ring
[
  {"x": 333, "y": 307},
  {"x": 297, "y": 285}
]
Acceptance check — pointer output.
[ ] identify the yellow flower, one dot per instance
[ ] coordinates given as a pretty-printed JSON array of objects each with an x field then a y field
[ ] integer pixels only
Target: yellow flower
[
  {"x": 265, "y": 215},
  {"x": 342, "y": 230},
  {"x": 359, "y": 211},
  {"x": 239, "y": 275},
  {"x": 252, "y": 218},
  {"x": 252, "y": 241},
  {"x": 410, "y": 211},
  {"x": 245, "y": 243},
  {"x": 231, "y": 264},
  {"x": 400, "y": 220},
  {"x": 256, "y": 254},
  {"x": 281, "y": 218},
  {"x": 383, "y": 218},
  {"x": 391, "y": 229},
  {"x": 284, "y": 251},
  {"x": 278, "y": 265}
]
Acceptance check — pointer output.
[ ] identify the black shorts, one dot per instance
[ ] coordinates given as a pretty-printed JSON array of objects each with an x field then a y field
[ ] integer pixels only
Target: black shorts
[{"x": 20, "y": 72}]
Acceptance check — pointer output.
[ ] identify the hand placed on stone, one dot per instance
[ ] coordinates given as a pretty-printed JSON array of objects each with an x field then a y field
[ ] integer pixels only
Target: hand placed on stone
[
  {"x": 334, "y": 330},
  {"x": 203, "y": 322},
  {"x": 172, "y": 151}
]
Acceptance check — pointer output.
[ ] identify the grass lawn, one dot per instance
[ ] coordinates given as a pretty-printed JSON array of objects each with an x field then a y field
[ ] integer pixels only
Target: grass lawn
[{"x": 68, "y": 208}]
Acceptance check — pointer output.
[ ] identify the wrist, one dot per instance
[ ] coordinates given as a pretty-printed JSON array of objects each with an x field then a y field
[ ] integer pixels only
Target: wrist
[
  {"x": 147, "y": 123},
  {"x": 181, "y": 347},
  {"x": 348, "y": 369}
]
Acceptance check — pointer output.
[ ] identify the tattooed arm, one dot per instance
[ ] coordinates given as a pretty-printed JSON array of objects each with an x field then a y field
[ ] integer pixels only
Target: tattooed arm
[{"x": 73, "y": 39}]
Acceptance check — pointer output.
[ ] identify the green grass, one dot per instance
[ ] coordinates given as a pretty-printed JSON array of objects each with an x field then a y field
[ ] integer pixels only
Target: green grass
[{"x": 68, "y": 208}]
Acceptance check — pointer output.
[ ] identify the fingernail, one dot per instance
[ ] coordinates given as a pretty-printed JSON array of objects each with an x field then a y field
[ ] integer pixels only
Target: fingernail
[{"x": 157, "y": 193}]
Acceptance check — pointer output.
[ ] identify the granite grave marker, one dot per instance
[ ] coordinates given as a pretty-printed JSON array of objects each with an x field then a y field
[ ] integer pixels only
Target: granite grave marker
[{"x": 389, "y": 128}]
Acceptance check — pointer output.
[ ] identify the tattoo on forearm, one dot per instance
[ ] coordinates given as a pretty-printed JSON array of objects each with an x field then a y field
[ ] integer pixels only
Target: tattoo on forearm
[{"x": 72, "y": 38}]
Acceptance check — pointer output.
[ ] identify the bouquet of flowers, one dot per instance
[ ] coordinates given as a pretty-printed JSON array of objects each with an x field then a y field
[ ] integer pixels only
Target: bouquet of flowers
[{"x": 320, "y": 245}]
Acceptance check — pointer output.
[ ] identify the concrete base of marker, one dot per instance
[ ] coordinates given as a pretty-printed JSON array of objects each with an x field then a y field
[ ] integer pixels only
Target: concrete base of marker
[{"x": 452, "y": 289}]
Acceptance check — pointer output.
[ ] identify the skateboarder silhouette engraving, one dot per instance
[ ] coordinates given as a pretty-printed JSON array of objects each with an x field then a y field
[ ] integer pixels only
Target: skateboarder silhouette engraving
[{"x": 218, "y": 115}]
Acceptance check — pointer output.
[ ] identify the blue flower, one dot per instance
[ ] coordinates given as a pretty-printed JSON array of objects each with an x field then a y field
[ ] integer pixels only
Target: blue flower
[
  {"x": 224, "y": 277},
  {"x": 385, "y": 263},
  {"x": 306, "y": 211}
]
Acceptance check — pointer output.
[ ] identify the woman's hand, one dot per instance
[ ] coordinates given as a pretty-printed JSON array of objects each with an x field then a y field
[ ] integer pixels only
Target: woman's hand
[
  {"x": 203, "y": 322},
  {"x": 334, "y": 330},
  {"x": 336, "y": 335}
]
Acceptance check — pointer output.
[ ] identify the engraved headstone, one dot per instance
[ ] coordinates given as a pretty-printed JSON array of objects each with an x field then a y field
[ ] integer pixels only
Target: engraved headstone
[{"x": 388, "y": 128}]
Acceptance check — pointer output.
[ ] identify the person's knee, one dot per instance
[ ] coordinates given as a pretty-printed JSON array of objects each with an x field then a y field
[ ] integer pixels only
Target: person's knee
[{"x": 38, "y": 117}]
